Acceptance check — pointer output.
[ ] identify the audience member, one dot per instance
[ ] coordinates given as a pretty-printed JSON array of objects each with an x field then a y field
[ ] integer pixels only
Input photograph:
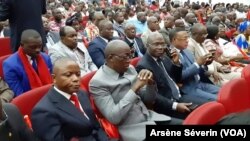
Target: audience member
[
  {"x": 153, "y": 26},
  {"x": 166, "y": 73},
  {"x": 65, "y": 113},
  {"x": 23, "y": 15},
  {"x": 69, "y": 47},
  {"x": 28, "y": 68},
  {"x": 6, "y": 94},
  {"x": 119, "y": 93},
  {"x": 97, "y": 46},
  {"x": 135, "y": 43},
  {"x": 192, "y": 69}
]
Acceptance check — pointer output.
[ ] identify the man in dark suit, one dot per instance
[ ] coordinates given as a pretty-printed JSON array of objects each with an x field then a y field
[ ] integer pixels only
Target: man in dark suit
[
  {"x": 22, "y": 15},
  {"x": 167, "y": 72},
  {"x": 65, "y": 113},
  {"x": 135, "y": 43},
  {"x": 12, "y": 125},
  {"x": 97, "y": 46}
]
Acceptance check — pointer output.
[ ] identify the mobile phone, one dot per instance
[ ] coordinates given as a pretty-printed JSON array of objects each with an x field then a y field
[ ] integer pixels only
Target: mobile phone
[
  {"x": 192, "y": 107},
  {"x": 168, "y": 52}
]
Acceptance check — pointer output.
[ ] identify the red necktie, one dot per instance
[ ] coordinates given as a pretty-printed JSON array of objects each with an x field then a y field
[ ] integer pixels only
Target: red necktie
[{"x": 74, "y": 98}]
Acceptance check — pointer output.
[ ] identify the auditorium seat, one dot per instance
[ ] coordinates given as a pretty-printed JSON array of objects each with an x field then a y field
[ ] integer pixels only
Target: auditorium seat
[
  {"x": 2, "y": 58},
  {"x": 235, "y": 95},
  {"x": 109, "y": 128},
  {"x": 26, "y": 101},
  {"x": 134, "y": 61},
  {"x": 5, "y": 46},
  {"x": 207, "y": 114},
  {"x": 246, "y": 73}
]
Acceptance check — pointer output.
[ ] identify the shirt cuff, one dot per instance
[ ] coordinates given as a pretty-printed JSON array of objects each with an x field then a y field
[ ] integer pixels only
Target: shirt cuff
[
  {"x": 174, "y": 106},
  {"x": 196, "y": 64}
]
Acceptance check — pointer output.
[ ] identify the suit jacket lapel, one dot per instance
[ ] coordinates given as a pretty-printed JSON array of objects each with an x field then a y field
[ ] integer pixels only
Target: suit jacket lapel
[{"x": 66, "y": 106}]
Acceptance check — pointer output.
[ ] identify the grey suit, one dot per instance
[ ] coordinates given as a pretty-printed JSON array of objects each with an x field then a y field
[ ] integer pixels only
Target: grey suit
[
  {"x": 60, "y": 50},
  {"x": 120, "y": 105}
]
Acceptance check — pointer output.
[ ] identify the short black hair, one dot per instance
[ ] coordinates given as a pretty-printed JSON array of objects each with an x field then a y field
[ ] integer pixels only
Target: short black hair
[
  {"x": 173, "y": 32},
  {"x": 212, "y": 31}
]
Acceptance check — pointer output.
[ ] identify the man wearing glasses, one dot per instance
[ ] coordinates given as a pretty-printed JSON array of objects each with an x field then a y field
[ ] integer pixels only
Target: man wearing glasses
[{"x": 123, "y": 96}]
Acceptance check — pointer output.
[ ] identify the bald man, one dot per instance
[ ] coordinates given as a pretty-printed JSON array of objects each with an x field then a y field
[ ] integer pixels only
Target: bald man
[
  {"x": 58, "y": 116},
  {"x": 153, "y": 26},
  {"x": 122, "y": 95},
  {"x": 28, "y": 68}
]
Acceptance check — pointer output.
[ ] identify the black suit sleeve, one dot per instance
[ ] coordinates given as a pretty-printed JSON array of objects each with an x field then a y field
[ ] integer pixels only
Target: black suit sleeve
[{"x": 17, "y": 123}]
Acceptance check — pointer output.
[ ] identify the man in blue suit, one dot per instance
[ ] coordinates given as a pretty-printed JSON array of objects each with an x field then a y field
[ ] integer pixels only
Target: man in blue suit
[
  {"x": 65, "y": 113},
  {"x": 28, "y": 68},
  {"x": 97, "y": 46},
  {"x": 191, "y": 70}
]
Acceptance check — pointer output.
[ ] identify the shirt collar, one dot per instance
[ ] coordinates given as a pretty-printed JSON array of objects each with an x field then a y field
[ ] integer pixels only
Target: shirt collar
[
  {"x": 104, "y": 39},
  {"x": 130, "y": 40},
  {"x": 112, "y": 73},
  {"x": 66, "y": 95}
]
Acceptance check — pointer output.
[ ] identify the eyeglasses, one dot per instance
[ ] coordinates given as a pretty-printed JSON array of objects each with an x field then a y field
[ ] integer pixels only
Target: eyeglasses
[{"x": 124, "y": 57}]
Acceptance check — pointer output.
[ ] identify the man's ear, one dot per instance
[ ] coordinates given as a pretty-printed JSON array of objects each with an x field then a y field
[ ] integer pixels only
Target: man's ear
[{"x": 53, "y": 76}]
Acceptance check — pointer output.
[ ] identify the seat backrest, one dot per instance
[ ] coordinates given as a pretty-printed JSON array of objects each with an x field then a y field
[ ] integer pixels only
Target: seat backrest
[
  {"x": 134, "y": 61},
  {"x": 207, "y": 114},
  {"x": 26, "y": 101},
  {"x": 109, "y": 128},
  {"x": 235, "y": 95},
  {"x": 246, "y": 73},
  {"x": 5, "y": 46},
  {"x": 2, "y": 58},
  {"x": 85, "y": 80}
]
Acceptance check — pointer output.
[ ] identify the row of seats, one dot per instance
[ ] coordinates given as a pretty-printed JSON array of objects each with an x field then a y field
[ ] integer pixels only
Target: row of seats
[{"x": 233, "y": 97}]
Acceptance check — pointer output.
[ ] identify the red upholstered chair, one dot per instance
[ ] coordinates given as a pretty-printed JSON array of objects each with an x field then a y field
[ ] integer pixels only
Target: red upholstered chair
[
  {"x": 109, "y": 128},
  {"x": 207, "y": 114},
  {"x": 134, "y": 61},
  {"x": 2, "y": 58},
  {"x": 235, "y": 95},
  {"x": 5, "y": 46},
  {"x": 246, "y": 73},
  {"x": 26, "y": 101}
]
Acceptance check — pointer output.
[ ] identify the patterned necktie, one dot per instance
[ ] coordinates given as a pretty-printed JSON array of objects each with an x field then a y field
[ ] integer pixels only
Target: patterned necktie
[
  {"x": 74, "y": 98},
  {"x": 175, "y": 91},
  {"x": 34, "y": 64}
]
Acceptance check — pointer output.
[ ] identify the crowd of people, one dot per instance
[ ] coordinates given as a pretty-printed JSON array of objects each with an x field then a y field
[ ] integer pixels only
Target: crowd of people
[{"x": 187, "y": 52}]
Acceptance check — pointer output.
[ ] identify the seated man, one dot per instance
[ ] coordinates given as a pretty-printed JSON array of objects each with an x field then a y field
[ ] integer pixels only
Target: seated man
[
  {"x": 135, "y": 43},
  {"x": 167, "y": 72},
  {"x": 12, "y": 125},
  {"x": 192, "y": 71},
  {"x": 69, "y": 47},
  {"x": 65, "y": 113},
  {"x": 119, "y": 93},
  {"x": 6, "y": 94},
  {"x": 97, "y": 46},
  {"x": 28, "y": 68}
]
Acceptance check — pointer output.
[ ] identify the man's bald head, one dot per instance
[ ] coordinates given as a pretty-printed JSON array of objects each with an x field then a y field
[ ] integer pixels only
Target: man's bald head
[
  {"x": 152, "y": 36},
  {"x": 114, "y": 47},
  {"x": 197, "y": 28}
]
